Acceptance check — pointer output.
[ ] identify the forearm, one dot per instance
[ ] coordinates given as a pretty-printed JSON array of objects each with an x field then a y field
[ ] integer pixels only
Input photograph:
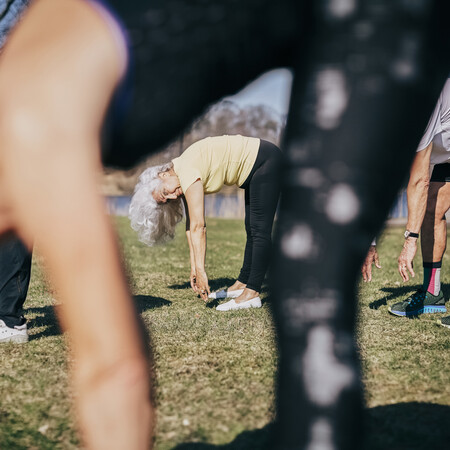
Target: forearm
[
  {"x": 198, "y": 240},
  {"x": 417, "y": 190},
  {"x": 191, "y": 249},
  {"x": 417, "y": 193}
]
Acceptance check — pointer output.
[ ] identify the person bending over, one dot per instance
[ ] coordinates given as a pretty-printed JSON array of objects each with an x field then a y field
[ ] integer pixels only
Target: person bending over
[
  {"x": 204, "y": 168},
  {"x": 428, "y": 201}
]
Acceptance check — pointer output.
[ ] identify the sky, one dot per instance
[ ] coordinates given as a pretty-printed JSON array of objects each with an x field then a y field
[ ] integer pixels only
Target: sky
[{"x": 271, "y": 89}]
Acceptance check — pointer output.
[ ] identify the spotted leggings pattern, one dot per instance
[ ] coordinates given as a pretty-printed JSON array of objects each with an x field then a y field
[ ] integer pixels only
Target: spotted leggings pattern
[
  {"x": 363, "y": 93},
  {"x": 366, "y": 76}
]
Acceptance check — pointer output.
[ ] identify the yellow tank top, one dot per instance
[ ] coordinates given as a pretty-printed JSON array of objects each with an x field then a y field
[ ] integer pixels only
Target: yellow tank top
[{"x": 217, "y": 161}]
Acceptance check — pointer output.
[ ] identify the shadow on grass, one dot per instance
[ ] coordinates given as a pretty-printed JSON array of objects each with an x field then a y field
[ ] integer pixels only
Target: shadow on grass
[
  {"x": 146, "y": 302},
  {"x": 408, "y": 426},
  {"x": 259, "y": 439},
  {"x": 46, "y": 318},
  {"x": 218, "y": 283},
  {"x": 403, "y": 426},
  {"x": 394, "y": 293}
]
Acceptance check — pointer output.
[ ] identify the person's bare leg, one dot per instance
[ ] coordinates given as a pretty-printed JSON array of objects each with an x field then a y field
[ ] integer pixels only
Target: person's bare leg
[
  {"x": 434, "y": 228},
  {"x": 56, "y": 77}
]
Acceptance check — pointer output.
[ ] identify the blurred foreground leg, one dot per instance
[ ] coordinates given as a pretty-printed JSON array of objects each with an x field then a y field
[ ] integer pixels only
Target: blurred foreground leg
[{"x": 362, "y": 96}]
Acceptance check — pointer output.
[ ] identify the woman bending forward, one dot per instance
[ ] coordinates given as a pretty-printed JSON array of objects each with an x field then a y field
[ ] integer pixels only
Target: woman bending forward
[{"x": 203, "y": 168}]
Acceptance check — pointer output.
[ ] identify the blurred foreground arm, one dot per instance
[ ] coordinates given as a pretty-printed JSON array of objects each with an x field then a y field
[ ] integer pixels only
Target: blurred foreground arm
[{"x": 55, "y": 83}]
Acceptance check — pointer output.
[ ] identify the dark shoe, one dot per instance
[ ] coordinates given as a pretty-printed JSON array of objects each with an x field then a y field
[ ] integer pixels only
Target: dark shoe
[
  {"x": 419, "y": 303},
  {"x": 445, "y": 321}
]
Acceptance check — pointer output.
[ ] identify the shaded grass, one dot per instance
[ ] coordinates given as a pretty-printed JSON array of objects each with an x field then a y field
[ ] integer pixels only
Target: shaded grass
[{"x": 215, "y": 372}]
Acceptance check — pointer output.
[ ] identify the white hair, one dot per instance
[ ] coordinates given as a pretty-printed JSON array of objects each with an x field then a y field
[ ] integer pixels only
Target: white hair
[{"x": 155, "y": 223}]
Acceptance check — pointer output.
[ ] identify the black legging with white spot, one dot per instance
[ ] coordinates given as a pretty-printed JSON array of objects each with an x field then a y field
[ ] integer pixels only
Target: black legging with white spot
[{"x": 366, "y": 76}]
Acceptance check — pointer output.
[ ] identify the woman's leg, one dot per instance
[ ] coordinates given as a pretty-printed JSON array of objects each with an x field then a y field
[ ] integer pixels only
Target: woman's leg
[
  {"x": 263, "y": 193},
  {"x": 362, "y": 95},
  {"x": 57, "y": 74},
  {"x": 246, "y": 264}
]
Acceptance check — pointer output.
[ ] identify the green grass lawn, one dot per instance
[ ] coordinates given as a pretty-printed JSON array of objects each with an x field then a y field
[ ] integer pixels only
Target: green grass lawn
[{"x": 215, "y": 371}]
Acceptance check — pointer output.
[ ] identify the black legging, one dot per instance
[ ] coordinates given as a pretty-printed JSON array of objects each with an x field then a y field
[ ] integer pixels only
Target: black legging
[
  {"x": 262, "y": 189},
  {"x": 367, "y": 74}
]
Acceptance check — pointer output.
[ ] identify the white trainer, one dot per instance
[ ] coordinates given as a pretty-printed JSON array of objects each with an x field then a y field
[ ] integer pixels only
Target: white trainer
[
  {"x": 17, "y": 334},
  {"x": 226, "y": 294},
  {"x": 254, "y": 302}
]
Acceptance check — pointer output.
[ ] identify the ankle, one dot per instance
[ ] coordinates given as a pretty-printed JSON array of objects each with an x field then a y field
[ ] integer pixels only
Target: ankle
[
  {"x": 248, "y": 294},
  {"x": 237, "y": 285}
]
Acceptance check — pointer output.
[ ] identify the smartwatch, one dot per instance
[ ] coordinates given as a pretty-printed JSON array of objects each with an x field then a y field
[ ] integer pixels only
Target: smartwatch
[{"x": 409, "y": 234}]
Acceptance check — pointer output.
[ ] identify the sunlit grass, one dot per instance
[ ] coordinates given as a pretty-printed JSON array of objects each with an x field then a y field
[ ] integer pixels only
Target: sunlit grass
[{"x": 215, "y": 371}]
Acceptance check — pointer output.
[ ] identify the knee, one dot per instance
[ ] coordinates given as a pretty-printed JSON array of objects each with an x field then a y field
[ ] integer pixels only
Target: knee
[{"x": 431, "y": 212}]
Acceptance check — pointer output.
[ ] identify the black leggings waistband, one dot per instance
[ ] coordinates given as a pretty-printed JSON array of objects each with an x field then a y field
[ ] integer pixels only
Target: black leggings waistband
[{"x": 266, "y": 151}]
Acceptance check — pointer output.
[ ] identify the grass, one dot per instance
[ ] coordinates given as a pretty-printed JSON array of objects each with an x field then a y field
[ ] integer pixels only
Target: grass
[{"x": 215, "y": 371}]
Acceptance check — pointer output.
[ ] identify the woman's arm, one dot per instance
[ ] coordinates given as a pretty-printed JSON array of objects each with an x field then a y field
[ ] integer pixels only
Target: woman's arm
[
  {"x": 56, "y": 77},
  {"x": 193, "y": 277},
  {"x": 197, "y": 233}
]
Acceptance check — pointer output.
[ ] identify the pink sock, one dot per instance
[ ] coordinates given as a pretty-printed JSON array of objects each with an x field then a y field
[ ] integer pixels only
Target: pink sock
[{"x": 432, "y": 277}]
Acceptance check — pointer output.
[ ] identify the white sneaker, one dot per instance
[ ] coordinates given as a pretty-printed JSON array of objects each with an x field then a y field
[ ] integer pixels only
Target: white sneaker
[
  {"x": 226, "y": 294},
  {"x": 17, "y": 334},
  {"x": 254, "y": 302}
]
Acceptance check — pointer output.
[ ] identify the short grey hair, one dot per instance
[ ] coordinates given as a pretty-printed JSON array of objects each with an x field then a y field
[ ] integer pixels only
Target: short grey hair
[{"x": 155, "y": 223}]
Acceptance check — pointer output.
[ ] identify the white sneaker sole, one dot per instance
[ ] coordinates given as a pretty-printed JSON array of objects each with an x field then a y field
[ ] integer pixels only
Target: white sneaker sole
[
  {"x": 17, "y": 339},
  {"x": 232, "y": 305}
]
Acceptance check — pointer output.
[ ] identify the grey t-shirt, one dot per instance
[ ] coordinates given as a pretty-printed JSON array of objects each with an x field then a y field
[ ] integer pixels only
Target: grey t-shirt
[{"x": 438, "y": 129}]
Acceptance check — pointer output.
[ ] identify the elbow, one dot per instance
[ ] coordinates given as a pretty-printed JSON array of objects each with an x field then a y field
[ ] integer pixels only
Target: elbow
[
  {"x": 198, "y": 227},
  {"x": 422, "y": 183}
]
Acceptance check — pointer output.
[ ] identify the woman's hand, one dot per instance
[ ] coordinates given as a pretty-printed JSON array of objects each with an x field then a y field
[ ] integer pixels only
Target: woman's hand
[
  {"x": 193, "y": 279},
  {"x": 202, "y": 285}
]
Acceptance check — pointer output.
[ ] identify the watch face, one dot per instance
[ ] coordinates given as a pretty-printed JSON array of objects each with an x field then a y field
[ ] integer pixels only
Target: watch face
[{"x": 406, "y": 234}]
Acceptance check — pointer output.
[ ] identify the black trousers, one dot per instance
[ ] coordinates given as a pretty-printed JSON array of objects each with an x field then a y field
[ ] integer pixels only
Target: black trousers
[
  {"x": 262, "y": 190},
  {"x": 15, "y": 271}
]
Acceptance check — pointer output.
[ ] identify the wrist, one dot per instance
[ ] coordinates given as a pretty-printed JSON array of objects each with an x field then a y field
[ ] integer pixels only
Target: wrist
[{"x": 410, "y": 234}]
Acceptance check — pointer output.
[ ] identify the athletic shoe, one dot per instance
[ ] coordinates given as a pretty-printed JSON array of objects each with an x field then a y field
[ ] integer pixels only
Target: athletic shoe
[
  {"x": 419, "y": 303},
  {"x": 17, "y": 334},
  {"x": 445, "y": 322},
  {"x": 254, "y": 302},
  {"x": 226, "y": 294}
]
